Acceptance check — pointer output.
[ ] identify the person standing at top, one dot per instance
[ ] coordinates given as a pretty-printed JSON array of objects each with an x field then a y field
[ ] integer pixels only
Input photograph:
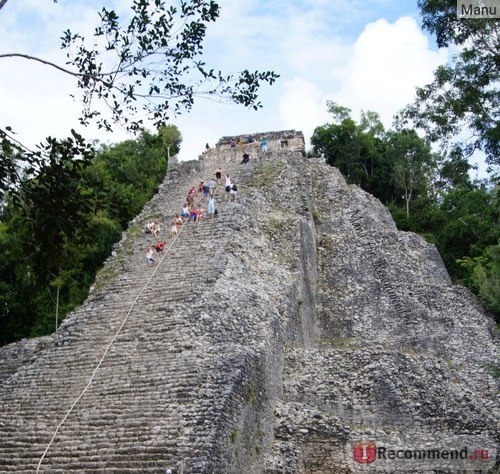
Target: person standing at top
[{"x": 264, "y": 143}]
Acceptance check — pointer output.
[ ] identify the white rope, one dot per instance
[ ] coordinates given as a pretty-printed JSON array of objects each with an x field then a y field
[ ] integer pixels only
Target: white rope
[{"x": 106, "y": 351}]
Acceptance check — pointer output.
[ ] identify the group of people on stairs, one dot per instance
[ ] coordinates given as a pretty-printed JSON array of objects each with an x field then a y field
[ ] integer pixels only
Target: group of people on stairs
[{"x": 204, "y": 193}]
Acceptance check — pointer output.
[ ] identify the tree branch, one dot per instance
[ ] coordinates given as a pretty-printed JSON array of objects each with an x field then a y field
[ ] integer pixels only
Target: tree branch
[{"x": 97, "y": 78}]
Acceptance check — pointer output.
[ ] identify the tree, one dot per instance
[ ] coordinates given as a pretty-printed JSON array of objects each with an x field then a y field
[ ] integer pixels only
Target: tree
[
  {"x": 52, "y": 205},
  {"x": 171, "y": 138},
  {"x": 357, "y": 150},
  {"x": 472, "y": 215},
  {"x": 453, "y": 171},
  {"x": 124, "y": 176},
  {"x": 464, "y": 94},
  {"x": 51, "y": 248},
  {"x": 413, "y": 163},
  {"x": 149, "y": 64}
]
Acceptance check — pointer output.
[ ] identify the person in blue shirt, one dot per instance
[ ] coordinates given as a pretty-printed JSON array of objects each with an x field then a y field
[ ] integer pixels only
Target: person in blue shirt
[{"x": 264, "y": 143}]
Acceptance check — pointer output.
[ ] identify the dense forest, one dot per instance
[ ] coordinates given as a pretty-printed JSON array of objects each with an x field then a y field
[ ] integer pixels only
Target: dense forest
[{"x": 58, "y": 229}]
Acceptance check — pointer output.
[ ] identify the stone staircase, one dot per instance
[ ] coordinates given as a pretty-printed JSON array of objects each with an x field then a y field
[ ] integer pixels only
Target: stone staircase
[{"x": 167, "y": 380}]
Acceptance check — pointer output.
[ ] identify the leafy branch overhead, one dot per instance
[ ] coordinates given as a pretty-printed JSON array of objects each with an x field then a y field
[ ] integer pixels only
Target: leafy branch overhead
[
  {"x": 147, "y": 66},
  {"x": 153, "y": 63}
]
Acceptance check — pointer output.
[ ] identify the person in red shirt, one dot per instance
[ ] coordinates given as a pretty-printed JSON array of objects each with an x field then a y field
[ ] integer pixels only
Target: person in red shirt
[{"x": 160, "y": 246}]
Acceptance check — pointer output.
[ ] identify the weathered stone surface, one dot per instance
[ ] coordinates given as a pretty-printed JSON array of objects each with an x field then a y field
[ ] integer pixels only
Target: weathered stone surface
[{"x": 268, "y": 340}]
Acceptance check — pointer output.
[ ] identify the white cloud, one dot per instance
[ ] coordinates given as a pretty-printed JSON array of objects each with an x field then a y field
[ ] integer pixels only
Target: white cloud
[
  {"x": 378, "y": 72},
  {"x": 388, "y": 61},
  {"x": 302, "y": 106}
]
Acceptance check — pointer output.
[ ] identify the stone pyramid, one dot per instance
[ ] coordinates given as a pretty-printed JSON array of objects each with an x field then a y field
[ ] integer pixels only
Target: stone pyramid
[{"x": 297, "y": 332}]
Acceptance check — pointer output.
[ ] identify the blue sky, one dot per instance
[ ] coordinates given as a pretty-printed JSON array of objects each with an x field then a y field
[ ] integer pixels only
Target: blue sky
[{"x": 363, "y": 54}]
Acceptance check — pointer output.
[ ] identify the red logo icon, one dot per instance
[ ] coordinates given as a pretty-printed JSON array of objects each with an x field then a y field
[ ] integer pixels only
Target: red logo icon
[{"x": 365, "y": 452}]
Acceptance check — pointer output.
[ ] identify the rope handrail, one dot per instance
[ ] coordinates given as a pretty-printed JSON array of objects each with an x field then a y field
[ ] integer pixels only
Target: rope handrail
[{"x": 108, "y": 347}]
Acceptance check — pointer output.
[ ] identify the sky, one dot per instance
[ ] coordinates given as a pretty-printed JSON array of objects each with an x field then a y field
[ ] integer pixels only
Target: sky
[{"x": 361, "y": 54}]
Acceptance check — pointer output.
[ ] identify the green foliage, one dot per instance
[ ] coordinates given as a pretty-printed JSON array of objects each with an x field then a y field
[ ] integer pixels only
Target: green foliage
[
  {"x": 171, "y": 138},
  {"x": 470, "y": 226},
  {"x": 123, "y": 175},
  {"x": 412, "y": 163},
  {"x": 465, "y": 93},
  {"x": 394, "y": 166},
  {"x": 453, "y": 171},
  {"x": 234, "y": 434},
  {"x": 251, "y": 396},
  {"x": 484, "y": 276},
  {"x": 440, "y": 17},
  {"x": 355, "y": 149},
  {"x": 493, "y": 369},
  {"x": 268, "y": 173},
  {"x": 61, "y": 226}
]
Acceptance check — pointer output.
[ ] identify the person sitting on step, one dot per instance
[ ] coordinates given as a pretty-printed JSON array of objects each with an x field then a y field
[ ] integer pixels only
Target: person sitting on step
[
  {"x": 153, "y": 228},
  {"x": 173, "y": 227},
  {"x": 196, "y": 214},
  {"x": 178, "y": 220}
]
